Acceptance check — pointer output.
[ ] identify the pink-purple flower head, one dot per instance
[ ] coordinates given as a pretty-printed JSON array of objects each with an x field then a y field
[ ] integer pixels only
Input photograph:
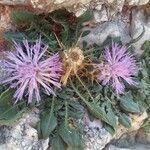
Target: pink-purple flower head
[
  {"x": 118, "y": 66},
  {"x": 30, "y": 72}
]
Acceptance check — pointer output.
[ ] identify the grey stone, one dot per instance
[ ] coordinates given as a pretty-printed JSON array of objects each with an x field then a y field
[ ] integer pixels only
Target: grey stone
[
  {"x": 22, "y": 135},
  {"x": 140, "y": 22},
  {"x": 133, "y": 147}
]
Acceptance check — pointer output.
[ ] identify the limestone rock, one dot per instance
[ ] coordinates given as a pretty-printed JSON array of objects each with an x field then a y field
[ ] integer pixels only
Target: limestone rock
[
  {"x": 137, "y": 121},
  {"x": 115, "y": 28},
  {"x": 3, "y": 71},
  {"x": 101, "y": 16},
  {"x": 140, "y": 23},
  {"x": 133, "y": 147},
  {"x": 96, "y": 137},
  {"x": 72, "y": 5},
  {"x": 143, "y": 136},
  {"x": 22, "y": 135},
  {"x": 137, "y": 2}
]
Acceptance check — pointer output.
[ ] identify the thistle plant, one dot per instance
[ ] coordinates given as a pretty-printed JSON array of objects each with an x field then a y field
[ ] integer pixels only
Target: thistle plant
[
  {"x": 82, "y": 72},
  {"x": 118, "y": 66},
  {"x": 30, "y": 72},
  {"x": 72, "y": 61}
]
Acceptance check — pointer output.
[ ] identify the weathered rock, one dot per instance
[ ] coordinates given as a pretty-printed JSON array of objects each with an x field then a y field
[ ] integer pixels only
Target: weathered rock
[
  {"x": 132, "y": 147},
  {"x": 22, "y": 135},
  {"x": 101, "y": 16},
  {"x": 137, "y": 2},
  {"x": 3, "y": 71},
  {"x": 72, "y": 5},
  {"x": 143, "y": 135},
  {"x": 115, "y": 28},
  {"x": 96, "y": 137},
  {"x": 140, "y": 23}
]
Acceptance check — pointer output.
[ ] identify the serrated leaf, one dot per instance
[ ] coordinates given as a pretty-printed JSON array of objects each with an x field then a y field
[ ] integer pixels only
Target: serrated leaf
[
  {"x": 17, "y": 36},
  {"x": 125, "y": 120},
  {"x": 71, "y": 135},
  {"x": 6, "y": 97},
  {"x": 85, "y": 33},
  {"x": 127, "y": 103},
  {"x": 76, "y": 110},
  {"x": 58, "y": 143},
  {"x": 22, "y": 17},
  {"x": 101, "y": 113},
  {"x": 48, "y": 123},
  {"x": 104, "y": 113},
  {"x": 110, "y": 129}
]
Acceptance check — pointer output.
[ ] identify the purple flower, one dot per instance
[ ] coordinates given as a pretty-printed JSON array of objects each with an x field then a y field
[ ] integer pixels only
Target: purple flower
[
  {"x": 118, "y": 65},
  {"x": 29, "y": 71}
]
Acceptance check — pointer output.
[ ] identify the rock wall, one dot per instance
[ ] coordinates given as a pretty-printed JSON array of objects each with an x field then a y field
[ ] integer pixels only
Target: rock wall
[
  {"x": 128, "y": 24},
  {"x": 72, "y": 5}
]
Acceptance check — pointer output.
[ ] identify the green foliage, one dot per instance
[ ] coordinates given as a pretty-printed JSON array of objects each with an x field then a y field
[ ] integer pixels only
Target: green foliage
[
  {"x": 47, "y": 124},
  {"x": 71, "y": 135},
  {"x": 23, "y": 17},
  {"x": 85, "y": 33},
  {"x": 146, "y": 126},
  {"x": 87, "y": 16},
  {"x": 104, "y": 112},
  {"x": 17, "y": 36},
  {"x": 9, "y": 113},
  {"x": 125, "y": 120},
  {"x": 58, "y": 143},
  {"x": 110, "y": 129},
  {"x": 60, "y": 116},
  {"x": 128, "y": 104}
]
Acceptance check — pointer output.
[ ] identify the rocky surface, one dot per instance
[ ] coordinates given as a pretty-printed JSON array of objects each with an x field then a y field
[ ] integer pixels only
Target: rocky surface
[
  {"x": 96, "y": 137},
  {"x": 140, "y": 23},
  {"x": 133, "y": 147},
  {"x": 128, "y": 24},
  {"x": 72, "y": 5},
  {"x": 3, "y": 71},
  {"x": 22, "y": 135},
  {"x": 132, "y": 25}
]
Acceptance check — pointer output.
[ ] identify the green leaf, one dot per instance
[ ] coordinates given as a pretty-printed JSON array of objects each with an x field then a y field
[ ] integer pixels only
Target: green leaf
[
  {"x": 125, "y": 120},
  {"x": 10, "y": 114},
  {"x": 17, "y": 36},
  {"x": 48, "y": 123},
  {"x": 105, "y": 113},
  {"x": 6, "y": 97},
  {"x": 71, "y": 135},
  {"x": 110, "y": 129},
  {"x": 65, "y": 33},
  {"x": 22, "y": 17},
  {"x": 127, "y": 103},
  {"x": 76, "y": 110},
  {"x": 87, "y": 16},
  {"x": 38, "y": 127},
  {"x": 58, "y": 143},
  {"x": 85, "y": 33}
]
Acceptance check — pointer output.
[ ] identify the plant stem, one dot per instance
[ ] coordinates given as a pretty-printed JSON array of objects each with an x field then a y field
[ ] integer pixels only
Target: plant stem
[
  {"x": 52, "y": 106},
  {"x": 82, "y": 98},
  {"x": 85, "y": 87},
  {"x": 66, "y": 112}
]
